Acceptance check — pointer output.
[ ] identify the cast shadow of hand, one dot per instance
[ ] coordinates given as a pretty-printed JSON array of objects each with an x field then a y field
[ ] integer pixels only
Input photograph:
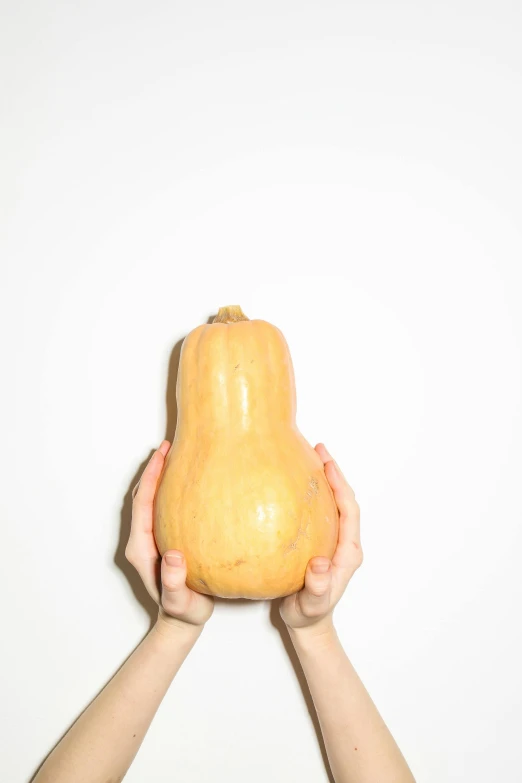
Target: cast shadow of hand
[
  {"x": 133, "y": 578},
  {"x": 139, "y": 589}
]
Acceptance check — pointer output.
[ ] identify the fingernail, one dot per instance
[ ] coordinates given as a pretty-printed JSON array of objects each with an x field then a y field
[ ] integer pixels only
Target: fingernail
[
  {"x": 174, "y": 560},
  {"x": 320, "y": 566}
]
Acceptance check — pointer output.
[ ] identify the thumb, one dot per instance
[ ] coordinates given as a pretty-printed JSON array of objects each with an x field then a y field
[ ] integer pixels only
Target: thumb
[
  {"x": 175, "y": 594},
  {"x": 314, "y": 598}
]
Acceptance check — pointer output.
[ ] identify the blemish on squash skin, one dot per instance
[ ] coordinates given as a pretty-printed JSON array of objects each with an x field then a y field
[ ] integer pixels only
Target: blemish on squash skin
[
  {"x": 293, "y": 546},
  {"x": 202, "y": 583},
  {"x": 229, "y": 566},
  {"x": 237, "y": 365},
  {"x": 313, "y": 489}
]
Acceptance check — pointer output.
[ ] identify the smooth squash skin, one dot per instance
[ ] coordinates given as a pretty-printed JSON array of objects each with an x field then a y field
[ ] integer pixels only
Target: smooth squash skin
[{"x": 243, "y": 495}]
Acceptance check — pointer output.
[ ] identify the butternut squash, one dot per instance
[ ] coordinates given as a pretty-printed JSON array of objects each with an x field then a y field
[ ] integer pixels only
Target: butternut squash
[{"x": 243, "y": 495}]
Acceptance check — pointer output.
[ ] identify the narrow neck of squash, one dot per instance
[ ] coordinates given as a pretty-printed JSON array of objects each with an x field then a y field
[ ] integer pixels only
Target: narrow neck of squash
[{"x": 229, "y": 315}]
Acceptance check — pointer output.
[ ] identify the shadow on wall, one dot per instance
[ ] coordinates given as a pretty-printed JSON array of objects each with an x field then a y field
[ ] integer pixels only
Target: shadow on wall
[
  {"x": 134, "y": 579},
  {"x": 120, "y": 560}
]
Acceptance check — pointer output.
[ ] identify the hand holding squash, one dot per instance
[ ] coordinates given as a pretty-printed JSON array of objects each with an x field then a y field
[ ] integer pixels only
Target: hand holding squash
[
  {"x": 326, "y": 580},
  {"x": 164, "y": 577}
]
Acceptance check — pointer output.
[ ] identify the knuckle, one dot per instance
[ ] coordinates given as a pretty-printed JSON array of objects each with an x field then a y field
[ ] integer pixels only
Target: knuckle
[
  {"x": 314, "y": 610},
  {"x": 317, "y": 590},
  {"x": 170, "y": 585},
  {"x": 170, "y": 603}
]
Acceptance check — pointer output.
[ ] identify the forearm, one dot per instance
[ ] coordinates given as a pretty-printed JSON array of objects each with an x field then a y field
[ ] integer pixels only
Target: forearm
[
  {"x": 102, "y": 743},
  {"x": 359, "y": 745}
]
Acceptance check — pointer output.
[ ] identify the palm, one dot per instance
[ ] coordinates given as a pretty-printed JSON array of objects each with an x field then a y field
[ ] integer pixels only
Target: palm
[
  {"x": 322, "y": 591},
  {"x": 165, "y": 583}
]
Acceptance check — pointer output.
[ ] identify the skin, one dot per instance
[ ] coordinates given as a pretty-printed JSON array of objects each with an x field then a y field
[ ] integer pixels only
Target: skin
[
  {"x": 360, "y": 747},
  {"x": 102, "y": 743}
]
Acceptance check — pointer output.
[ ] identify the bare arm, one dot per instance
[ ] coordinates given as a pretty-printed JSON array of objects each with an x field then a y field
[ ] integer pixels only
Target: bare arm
[
  {"x": 359, "y": 745},
  {"x": 102, "y": 743}
]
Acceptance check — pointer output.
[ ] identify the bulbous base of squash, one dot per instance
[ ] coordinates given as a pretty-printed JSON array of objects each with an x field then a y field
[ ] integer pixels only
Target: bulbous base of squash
[
  {"x": 254, "y": 589},
  {"x": 247, "y": 520}
]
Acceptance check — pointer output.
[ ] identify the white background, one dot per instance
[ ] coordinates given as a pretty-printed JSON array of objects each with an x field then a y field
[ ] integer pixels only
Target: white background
[{"x": 350, "y": 171}]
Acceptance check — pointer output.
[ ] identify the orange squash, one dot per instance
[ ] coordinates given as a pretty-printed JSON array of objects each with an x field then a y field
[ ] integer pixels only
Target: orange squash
[{"x": 243, "y": 495}]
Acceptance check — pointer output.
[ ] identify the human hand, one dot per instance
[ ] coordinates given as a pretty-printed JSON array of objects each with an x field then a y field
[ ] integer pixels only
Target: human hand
[
  {"x": 326, "y": 580},
  {"x": 164, "y": 577}
]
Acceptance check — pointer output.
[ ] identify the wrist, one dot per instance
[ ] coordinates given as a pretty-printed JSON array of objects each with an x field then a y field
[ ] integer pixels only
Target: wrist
[
  {"x": 318, "y": 636},
  {"x": 172, "y": 631}
]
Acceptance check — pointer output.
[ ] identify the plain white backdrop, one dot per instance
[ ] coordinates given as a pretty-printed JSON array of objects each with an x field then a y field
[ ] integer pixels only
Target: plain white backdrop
[{"x": 350, "y": 171}]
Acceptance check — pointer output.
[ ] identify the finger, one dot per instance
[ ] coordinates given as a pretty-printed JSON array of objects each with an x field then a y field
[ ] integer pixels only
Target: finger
[
  {"x": 144, "y": 497},
  {"x": 348, "y": 552},
  {"x": 175, "y": 595},
  {"x": 327, "y": 457},
  {"x": 142, "y": 506},
  {"x": 164, "y": 450},
  {"x": 314, "y": 598},
  {"x": 141, "y": 550},
  {"x": 323, "y": 452},
  {"x": 164, "y": 447},
  {"x": 344, "y": 494}
]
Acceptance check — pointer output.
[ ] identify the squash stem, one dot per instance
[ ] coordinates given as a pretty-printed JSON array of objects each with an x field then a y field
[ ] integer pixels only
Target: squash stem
[{"x": 229, "y": 315}]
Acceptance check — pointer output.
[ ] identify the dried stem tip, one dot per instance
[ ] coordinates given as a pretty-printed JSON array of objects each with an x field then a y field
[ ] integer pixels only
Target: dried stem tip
[{"x": 229, "y": 315}]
